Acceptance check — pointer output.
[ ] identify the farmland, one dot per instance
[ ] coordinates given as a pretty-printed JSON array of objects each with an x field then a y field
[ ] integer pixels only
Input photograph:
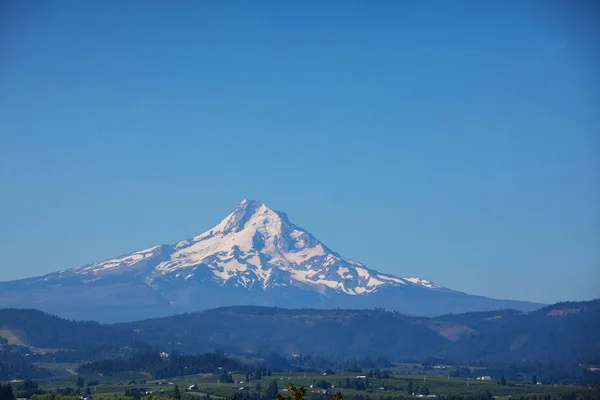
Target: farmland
[{"x": 396, "y": 386}]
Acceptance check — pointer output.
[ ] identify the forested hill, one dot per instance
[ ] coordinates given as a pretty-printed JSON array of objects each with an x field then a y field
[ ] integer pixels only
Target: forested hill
[
  {"x": 564, "y": 332},
  {"x": 556, "y": 333},
  {"x": 39, "y": 329}
]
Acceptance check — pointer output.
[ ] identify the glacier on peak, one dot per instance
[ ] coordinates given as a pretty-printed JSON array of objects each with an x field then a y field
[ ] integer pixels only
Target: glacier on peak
[{"x": 253, "y": 246}]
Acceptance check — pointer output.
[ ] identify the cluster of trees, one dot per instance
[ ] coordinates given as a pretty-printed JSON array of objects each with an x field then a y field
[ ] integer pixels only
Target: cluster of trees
[
  {"x": 138, "y": 393},
  {"x": 226, "y": 377},
  {"x": 152, "y": 362},
  {"x": 27, "y": 384},
  {"x": 15, "y": 365},
  {"x": 250, "y": 374},
  {"x": 6, "y": 392},
  {"x": 411, "y": 389},
  {"x": 462, "y": 372},
  {"x": 297, "y": 393},
  {"x": 321, "y": 384},
  {"x": 551, "y": 372},
  {"x": 377, "y": 373},
  {"x": 309, "y": 363},
  {"x": 276, "y": 362},
  {"x": 269, "y": 393},
  {"x": 532, "y": 372},
  {"x": 257, "y": 372},
  {"x": 28, "y": 388},
  {"x": 68, "y": 391},
  {"x": 356, "y": 384}
]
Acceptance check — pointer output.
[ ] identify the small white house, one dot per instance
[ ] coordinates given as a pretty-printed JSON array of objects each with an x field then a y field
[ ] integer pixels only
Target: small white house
[{"x": 484, "y": 378}]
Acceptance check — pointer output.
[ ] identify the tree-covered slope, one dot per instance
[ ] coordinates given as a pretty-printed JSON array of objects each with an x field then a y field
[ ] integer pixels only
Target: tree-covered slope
[
  {"x": 39, "y": 329},
  {"x": 564, "y": 332},
  {"x": 560, "y": 332},
  {"x": 331, "y": 333}
]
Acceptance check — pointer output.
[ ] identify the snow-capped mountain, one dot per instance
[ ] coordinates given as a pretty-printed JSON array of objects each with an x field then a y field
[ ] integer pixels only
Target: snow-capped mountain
[
  {"x": 254, "y": 246},
  {"x": 253, "y": 256}
]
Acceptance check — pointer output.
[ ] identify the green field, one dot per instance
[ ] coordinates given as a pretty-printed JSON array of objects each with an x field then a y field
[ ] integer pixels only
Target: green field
[{"x": 395, "y": 386}]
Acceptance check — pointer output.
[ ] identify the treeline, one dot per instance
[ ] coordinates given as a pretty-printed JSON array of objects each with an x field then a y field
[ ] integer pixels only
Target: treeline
[
  {"x": 319, "y": 363},
  {"x": 152, "y": 362},
  {"x": 87, "y": 355},
  {"x": 551, "y": 372}
]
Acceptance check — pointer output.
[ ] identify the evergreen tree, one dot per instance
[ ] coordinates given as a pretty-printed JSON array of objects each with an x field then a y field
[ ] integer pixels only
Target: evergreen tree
[
  {"x": 503, "y": 381},
  {"x": 296, "y": 393},
  {"x": 272, "y": 390},
  {"x": 409, "y": 388},
  {"x": 6, "y": 392},
  {"x": 534, "y": 380},
  {"x": 176, "y": 393},
  {"x": 226, "y": 378},
  {"x": 80, "y": 381}
]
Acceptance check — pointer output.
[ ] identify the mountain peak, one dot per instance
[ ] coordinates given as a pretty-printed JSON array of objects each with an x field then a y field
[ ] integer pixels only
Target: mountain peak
[
  {"x": 250, "y": 203},
  {"x": 255, "y": 246},
  {"x": 239, "y": 217}
]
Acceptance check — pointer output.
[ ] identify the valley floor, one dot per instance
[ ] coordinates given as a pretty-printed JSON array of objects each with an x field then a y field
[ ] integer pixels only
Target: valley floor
[{"x": 397, "y": 386}]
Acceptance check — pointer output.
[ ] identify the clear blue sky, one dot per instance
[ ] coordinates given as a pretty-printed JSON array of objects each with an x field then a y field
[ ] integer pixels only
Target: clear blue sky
[{"x": 457, "y": 141}]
